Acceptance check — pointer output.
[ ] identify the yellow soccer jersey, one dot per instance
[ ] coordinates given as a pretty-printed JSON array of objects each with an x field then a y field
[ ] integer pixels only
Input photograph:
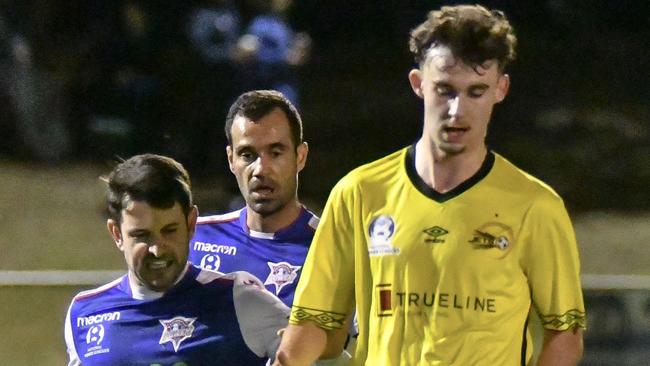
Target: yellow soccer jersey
[{"x": 442, "y": 279}]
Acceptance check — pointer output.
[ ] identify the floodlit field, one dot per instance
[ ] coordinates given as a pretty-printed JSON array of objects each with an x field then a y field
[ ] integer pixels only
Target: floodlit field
[{"x": 52, "y": 218}]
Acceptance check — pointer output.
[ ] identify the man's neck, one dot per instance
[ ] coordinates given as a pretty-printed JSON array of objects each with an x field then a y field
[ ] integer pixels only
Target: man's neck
[
  {"x": 141, "y": 292},
  {"x": 442, "y": 171},
  {"x": 274, "y": 222}
]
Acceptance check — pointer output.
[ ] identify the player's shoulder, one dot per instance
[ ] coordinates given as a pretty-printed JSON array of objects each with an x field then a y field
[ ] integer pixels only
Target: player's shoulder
[
  {"x": 98, "y": 292},
  {"x": 231, "y": 279},
  {"x": 313, "y": 219},
  {"x": 516, "y": 179},
  {"x": 381, "y": 170},
  {"x": 219, "y": 219},
  {"x": 93, "y": 300}
]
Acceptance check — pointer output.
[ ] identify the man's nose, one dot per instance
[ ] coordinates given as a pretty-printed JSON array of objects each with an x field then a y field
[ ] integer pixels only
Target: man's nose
[
  {"x": 157, "y": 248},
  {"x": 455, "y": 107},
  {"x": 261, "y": 165}
]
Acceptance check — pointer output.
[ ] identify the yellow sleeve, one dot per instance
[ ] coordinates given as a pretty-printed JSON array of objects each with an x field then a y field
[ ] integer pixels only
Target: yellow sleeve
[
  {"x": 325, "y": 293},
  {"x": 550, "y": 261}
]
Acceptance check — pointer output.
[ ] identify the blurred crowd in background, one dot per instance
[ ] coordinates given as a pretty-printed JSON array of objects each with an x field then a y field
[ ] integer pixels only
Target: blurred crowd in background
[{"x": 95, "y": 79}]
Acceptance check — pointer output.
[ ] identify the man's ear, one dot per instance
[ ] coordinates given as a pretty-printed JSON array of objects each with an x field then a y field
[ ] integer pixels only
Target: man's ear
[
  {"x": 114, "y": 229},
  {"x": 503, "y": 85},
  {"x": 302, "y": 151},
  {"x": 415, "y": 79},
  {"x": 192, "y": 216},
  {"x": 229, "y": 153}
]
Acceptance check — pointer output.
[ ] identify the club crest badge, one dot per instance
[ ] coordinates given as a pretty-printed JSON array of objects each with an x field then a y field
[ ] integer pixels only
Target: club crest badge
[
  {"x": 281, "y": 274},
  {"x": 95, "y": 335},
  {"x": 381, "y": 230},
  {"x": 176, "y": 330},
  {"x": 211, "y": 262},
  {"x": 492, "y": 235},
  {"x": 94, "y": 339}
]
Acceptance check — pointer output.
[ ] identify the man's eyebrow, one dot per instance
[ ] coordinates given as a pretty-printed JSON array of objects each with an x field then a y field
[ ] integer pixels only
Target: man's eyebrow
[
  {"x": 278, "y": 145},
  {"x": 137, "y": 231},
  {"x": 480, "y": 86}
]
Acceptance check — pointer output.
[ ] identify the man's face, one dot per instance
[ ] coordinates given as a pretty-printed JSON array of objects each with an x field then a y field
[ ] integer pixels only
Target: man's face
[
  {"x": 265, "y": 162},
  {"x": 155, "y": 242},
  {"x": 458, "y": 100}
]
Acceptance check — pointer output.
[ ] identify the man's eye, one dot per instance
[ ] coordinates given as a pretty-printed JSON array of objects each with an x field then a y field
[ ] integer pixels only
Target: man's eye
[
  {"x": 247, "y": 156},
  {"x": 444, "y": 92},
  {"x": 140, "y": 237},
  {"x": 169, "y": 231},
  {"x": 476, "y": 93}
]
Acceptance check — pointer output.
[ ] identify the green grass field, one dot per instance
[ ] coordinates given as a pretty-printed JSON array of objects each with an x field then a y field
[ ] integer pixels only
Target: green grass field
[{"x": 52, "y": 218}]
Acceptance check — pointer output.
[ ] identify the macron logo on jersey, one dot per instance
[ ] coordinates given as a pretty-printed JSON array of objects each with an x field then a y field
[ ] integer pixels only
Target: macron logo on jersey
[
  {"x": 215, "y": 248},
  {"x": 97, "y": 319}
]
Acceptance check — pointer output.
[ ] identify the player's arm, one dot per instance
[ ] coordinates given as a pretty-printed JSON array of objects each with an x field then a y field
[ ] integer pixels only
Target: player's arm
[
  {"x": 305, "y": 343},
  {"x": 553, "y": 270},
  {"x": 261, "y": 315},
  {"x": 561, "y": 348}
]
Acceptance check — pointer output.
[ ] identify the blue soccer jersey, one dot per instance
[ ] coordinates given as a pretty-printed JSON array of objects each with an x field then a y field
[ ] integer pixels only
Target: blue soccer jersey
[
  {"x": 207, "y": 318},
  {"x": 224, "y": 243}
]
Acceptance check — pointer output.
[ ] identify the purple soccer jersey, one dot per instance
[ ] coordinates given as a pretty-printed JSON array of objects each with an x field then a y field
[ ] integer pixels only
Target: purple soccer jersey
[
  {"x": 207, "y": 318},
  {"x": 224, "y": 243}
]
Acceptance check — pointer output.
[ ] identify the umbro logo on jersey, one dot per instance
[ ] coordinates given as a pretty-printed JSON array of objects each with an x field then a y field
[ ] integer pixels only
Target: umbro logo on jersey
[
  {"x": 435, "y": 234},
  {"x": 176, "y": 330}
]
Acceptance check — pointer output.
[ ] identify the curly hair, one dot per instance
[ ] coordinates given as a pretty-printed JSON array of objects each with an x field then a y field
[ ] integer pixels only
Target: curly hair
[{"x": 473, "y": 33}]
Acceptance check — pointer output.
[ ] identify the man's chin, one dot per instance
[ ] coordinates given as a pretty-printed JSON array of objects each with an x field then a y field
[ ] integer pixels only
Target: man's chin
[
  {"x": 265, "y": 208},
  {"x": 159, "y": 285},
  {"x": 451, "y": 148}
]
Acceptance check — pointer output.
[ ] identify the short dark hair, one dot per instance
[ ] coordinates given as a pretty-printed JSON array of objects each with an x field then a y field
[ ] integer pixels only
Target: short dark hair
[
  {"x": 157, "y": 180},
  {"x": 473, "y": 33},
  {"x": 256, "y": 104}
]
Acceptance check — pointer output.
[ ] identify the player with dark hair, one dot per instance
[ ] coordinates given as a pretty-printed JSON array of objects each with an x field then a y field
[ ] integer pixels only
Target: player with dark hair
[
  {"x": 271, "y": 235},
  {"x": 444, "y": 247},
  {"x": 165, "y": 311}
]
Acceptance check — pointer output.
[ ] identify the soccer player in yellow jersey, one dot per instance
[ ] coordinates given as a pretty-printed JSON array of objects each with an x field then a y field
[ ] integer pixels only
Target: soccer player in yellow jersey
[{"x": 444, "y": 247}]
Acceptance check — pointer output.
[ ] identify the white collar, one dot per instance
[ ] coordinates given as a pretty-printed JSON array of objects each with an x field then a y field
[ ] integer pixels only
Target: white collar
[{"x": 141, "y": 292}]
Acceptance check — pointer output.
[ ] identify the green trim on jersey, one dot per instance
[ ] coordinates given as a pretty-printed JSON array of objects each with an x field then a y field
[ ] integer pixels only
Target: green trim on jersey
[{"x": 442, "y": 279}]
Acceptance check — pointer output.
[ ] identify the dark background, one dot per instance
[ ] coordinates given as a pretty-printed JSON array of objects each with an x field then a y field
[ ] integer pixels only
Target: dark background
[{"x": 576, "y": 117}]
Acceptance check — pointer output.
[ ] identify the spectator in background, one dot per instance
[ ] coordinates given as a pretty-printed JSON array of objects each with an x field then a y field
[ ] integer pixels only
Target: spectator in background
[
  {"x": 269, "y": 50},
  {"x": 35, "y": 98},
  {"x": 213, "y": 29}
]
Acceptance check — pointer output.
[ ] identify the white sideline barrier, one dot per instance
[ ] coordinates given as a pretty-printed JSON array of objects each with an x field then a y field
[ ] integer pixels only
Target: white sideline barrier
[
  {"x": 82, "y": 278},
  {"x": 57, "y": 278},
  {"x": 615, "y": 282}
]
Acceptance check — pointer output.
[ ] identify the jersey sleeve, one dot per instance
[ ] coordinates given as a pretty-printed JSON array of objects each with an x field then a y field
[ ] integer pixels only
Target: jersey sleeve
[
  {"x": 325, "y": 293},
  {"x": 260, "y": 314},
  {"x": 69, "y": 341},
  {"x": 551, "y": 263}
]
